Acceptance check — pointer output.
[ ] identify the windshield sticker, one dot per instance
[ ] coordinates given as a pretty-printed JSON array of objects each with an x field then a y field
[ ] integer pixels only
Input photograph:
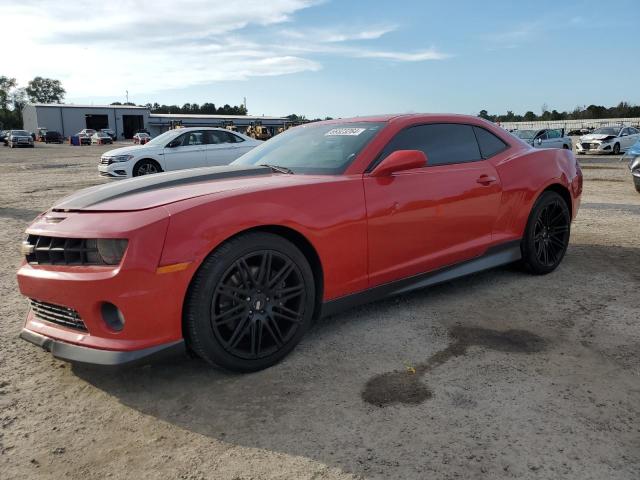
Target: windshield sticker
[{"x": 345, "y": 131}]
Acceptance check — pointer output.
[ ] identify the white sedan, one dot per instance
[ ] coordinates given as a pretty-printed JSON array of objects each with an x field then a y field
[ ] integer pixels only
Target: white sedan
[
  {"x": 176, "y": 150},
  {"x": 611, "y": 140}
]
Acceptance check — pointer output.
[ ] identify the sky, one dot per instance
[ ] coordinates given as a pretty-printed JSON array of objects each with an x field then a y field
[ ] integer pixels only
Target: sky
[{"x": 336, "y": 58}]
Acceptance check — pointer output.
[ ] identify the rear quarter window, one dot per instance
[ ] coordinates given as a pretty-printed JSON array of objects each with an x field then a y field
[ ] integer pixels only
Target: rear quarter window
[{"x": 489, "y": 143}]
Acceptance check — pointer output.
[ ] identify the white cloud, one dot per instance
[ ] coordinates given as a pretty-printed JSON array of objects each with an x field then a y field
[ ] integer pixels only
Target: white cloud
[{"x": 149, "y": 46}]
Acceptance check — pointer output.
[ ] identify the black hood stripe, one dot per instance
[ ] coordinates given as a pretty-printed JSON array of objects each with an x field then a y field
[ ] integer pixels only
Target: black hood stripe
[{"x": 103, "y": 193}]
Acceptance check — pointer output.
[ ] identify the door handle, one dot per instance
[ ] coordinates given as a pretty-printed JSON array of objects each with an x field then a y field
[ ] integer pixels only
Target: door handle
[{"x": 486, "y": 179}]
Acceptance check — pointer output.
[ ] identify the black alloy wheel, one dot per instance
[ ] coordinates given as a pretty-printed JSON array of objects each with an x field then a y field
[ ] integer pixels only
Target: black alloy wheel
[
  {"x": 250, "y": 302},
  {"x": 258, "y": 305},
  {"x": 547, "y": 234},
  {"x": 616, "y": 149}
]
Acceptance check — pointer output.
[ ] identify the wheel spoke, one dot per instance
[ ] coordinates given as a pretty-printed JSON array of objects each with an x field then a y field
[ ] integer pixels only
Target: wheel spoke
[
  {"x": 286, "y": 316},
  {"x": 232, "y": 313},
  {"x": 232, "y": 292},
  {"x": 274, "y": 330},
  {"x": 282, "y": 274},
  {"x": 265, "y": 269},
  {"x": 245, "y": 273},
  {"x": 239, "y": 332}
]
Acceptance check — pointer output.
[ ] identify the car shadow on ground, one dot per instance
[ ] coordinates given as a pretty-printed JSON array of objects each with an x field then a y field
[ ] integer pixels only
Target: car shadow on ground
[{"x": 313, "y": 403}]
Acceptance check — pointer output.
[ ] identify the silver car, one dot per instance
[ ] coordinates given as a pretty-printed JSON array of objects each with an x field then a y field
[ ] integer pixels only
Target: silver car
[
  {"x": 545, "y": 138},
  {"x": 19, "y": 138}
]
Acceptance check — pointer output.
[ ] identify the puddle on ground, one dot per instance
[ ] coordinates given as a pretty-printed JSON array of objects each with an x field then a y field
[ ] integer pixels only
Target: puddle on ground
[{"x": 402, "y": 386}]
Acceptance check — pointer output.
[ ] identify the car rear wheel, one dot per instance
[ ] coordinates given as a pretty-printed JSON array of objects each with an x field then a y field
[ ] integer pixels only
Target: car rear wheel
[
  {"x": 616, "y": 149},
  {"x": 146, "y": 167},
  {"x": 547, "y": 234},
  {"x": 250, "y": 303}
]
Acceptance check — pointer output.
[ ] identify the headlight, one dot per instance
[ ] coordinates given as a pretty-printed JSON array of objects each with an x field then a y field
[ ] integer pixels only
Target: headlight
[
  {"x": 107, "y": 251},
  {"x": 121, "y": 158}
]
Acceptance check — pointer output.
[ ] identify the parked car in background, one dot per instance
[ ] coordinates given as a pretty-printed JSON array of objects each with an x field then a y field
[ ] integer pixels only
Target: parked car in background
[
  {"x": 632, "y": 157},
  {"x": 611, "y": 140},
  {"x": 545, "y": 138},
  {"x": 109, "y": 132},
  {"x": 20, "y": 138},
  {"x": 236, "y": 262},
  {"x": 4, "y": 134},
  {"x": 176, "y": 150},
  {"x": 53, "y": 137},
  {"x": 141, "y": 138},
  {"x": 83, "y": 138},
  {"x": 88, "y": 132},
  {"x": 101, "y": 138}
]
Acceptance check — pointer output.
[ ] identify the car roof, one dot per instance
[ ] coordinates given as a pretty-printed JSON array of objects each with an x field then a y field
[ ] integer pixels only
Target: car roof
[{"x": 407, "y": 117}]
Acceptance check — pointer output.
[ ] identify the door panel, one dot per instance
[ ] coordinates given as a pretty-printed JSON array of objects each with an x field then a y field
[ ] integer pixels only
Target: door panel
[
  {"x": 189, "y": 156},
  {"x": 428, "y": 218}
]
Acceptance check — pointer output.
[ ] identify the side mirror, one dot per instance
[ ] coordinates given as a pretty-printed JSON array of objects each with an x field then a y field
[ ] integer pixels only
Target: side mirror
[
  {"x": 539, "y": 141},
  {"x": 398, "y": 161}
]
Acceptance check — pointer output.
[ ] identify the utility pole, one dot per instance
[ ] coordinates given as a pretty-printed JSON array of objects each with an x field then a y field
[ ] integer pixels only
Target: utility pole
[
  {"x": 127, "y": 95},
  {"x": 244, "y": 102}
]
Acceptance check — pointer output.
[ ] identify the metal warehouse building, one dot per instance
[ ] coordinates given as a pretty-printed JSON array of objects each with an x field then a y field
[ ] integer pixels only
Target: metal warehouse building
[{"x": 126, "y": 120}]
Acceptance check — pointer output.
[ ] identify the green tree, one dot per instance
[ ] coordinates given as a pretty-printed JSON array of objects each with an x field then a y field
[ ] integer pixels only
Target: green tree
[
  {"x": 529, "y": 116},
  {"x": 45, "y": 90},
  {"x": 6, "y": 85}
]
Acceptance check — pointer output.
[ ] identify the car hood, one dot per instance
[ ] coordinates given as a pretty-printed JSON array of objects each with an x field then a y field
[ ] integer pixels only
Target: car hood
[
  {"x": 594, "y": 136},
  {"x": 151, "y": 191},
  {"x": 132, "y": 150}
]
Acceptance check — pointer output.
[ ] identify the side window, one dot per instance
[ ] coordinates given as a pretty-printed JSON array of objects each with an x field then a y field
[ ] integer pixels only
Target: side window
[
  {"x": 443, "y": 143},
  {"x": 218, "y": 136},
  {"x": 193, "y": 138},
  {"x": 626, "y": 131},
  {"x": 553, "y": 133},
  {"x": 490, "y": 145},
  {"x": 543, "y": 136}
]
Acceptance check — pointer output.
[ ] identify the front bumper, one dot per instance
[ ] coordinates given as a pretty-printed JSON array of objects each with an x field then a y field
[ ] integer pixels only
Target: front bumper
[
  {"x": 594, "y": 148},
  {"x": 150, "y": 301},
  {"x": 115, "y": 170},
  {"x": 93, "y": 356}
]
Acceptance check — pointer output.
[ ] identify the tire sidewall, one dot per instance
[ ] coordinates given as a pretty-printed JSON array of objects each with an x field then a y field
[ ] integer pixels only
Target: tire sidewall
[
  {"x": 527, "y": 246},
  {"x": 136, "y": 167},
  {"x": 198, "y": 329}
]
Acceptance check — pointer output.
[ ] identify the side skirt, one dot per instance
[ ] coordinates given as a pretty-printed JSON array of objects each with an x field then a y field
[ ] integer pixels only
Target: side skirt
[{"x": 494, "y": 257}]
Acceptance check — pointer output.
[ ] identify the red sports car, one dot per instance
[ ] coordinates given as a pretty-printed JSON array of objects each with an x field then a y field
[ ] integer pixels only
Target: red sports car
[{"x": 235, "y": 262}]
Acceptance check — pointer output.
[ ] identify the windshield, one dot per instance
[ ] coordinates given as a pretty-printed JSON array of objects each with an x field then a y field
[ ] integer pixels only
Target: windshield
[
  {"x": 20, "y": 132},
  {"x": 606, "y": 131},
  {"x": 162, "y": 139},
  {"x": 525, "y": 134},
  {"x": 314, "y": 149}
]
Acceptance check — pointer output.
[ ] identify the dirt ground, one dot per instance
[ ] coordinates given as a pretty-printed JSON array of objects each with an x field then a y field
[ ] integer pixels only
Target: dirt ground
[{"x": 500, "y": 375}]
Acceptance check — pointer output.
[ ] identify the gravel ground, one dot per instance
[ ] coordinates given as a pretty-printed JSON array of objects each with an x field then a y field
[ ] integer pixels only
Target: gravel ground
[{"x": 500, "y": 375}]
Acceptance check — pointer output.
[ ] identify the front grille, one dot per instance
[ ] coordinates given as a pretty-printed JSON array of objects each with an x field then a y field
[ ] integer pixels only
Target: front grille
[
  {"x": 65, "y": 316},
  {"x": 62, "y": 251}
]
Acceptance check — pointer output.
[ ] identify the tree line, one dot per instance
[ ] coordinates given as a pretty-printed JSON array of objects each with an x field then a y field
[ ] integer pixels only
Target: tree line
[
  {"x": 13, "y": 98},
  {"x": 622, "y": 110},
  {"x": 192, "y": 108}
]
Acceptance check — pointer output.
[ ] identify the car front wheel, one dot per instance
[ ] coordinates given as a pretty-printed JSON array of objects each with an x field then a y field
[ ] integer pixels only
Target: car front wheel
[
  {"x": 616, "y": 149},
  {"x": 250, "y": 302},
  {"x": 636, "y": 182},
  {"x": 146, "y": 167},
  {"x": 547, "y": 233}
]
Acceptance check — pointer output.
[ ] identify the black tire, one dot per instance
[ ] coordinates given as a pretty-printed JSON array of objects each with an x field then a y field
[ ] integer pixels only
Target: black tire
[
  {"x": 616, "y": 149},
  {"x": 146, "y": 167},
  {"x": 546, "y": 236},
  {"x": 242, "y": 319},
  {"x": 636, "y": 183}
]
